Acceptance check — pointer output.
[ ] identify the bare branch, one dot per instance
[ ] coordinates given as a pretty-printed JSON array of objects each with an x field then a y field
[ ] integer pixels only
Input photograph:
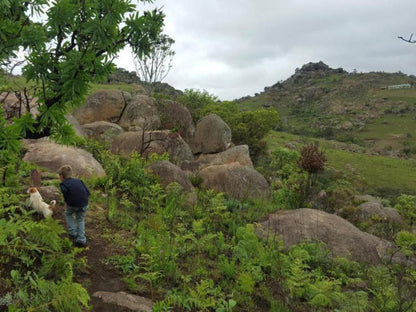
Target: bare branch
[
  {"x": 410, "y": 40},
  {"x": 156, "y": 66}
]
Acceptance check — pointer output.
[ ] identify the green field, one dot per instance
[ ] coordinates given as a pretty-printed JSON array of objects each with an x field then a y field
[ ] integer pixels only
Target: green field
[{"x": 370, "y": 172}]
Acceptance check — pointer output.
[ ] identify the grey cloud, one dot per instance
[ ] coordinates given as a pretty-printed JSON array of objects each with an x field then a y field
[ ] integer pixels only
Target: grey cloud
[{"x": 235, "y": 48}]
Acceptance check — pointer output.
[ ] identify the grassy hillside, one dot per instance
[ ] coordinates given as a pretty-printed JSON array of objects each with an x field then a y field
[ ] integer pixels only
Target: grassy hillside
[
  {"x": 318, "y": 101},
  {"x": 369, "y": 173}
]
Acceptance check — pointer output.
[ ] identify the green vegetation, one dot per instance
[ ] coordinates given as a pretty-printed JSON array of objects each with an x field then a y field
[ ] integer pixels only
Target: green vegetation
[
  {"x": 201, "y": 258},
  {"x": 379, "y": 175},
  {"x": 208, "y": 256},
  {"x": 36, "y": 265},
  {"x": 71, "y": 47},
  {"x": 247, "y": 127}
]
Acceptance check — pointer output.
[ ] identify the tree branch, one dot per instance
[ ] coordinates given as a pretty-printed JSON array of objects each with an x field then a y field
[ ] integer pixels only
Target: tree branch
[{"x": 410, "y": 40}]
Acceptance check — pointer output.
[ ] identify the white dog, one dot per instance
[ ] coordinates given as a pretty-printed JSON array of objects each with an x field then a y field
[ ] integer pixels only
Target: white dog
[{"x": 37, "y": 203}]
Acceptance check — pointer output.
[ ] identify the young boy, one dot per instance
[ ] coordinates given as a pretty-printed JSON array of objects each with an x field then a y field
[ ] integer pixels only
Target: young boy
[{"x": 76, "y": 196}]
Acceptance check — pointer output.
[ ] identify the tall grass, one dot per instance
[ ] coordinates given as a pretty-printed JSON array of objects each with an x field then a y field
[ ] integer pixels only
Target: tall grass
[{"x": 374, "y": 172}]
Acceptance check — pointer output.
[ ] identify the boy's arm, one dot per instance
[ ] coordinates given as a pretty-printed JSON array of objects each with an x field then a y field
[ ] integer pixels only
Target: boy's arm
[
  {"x": 86, "y": 188},
  {"x": 64, "y": 191}
]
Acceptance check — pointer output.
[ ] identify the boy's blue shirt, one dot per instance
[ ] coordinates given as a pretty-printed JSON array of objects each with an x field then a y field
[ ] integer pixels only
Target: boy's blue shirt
[{"x": 75, "y": 192}]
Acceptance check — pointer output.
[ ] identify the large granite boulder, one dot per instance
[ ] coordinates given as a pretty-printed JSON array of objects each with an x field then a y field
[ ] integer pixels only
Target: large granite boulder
[
  {"x": 236, "y": 154},
  {"x": 76, "y": 125},
  {"x": 174, "y": 115},
  {"x": 140, "y": 114},
  {"x": 372, "y": 208},
  {"x": 102, "y": 105},
  {"x": 237, "y": 181},
  {"x": 212, "y": 135},
  {"x": 169, "y": 173},
  {"x": 52, "y": 156},
  {"x": 15, "y": 107},
  {"x": 150, "y": 142},
  {"x": 341, "y": 237},
  {"x": 102, "y": 130}
]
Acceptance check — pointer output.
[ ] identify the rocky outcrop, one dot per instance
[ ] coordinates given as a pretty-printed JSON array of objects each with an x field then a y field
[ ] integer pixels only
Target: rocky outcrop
[
  {"x": 150, "y": 142},
  {"x": 223, "y": 167},
  {"x": 371, "y": 208},
  {"x": 102, "y": 130},
  {"x": 15, "y": 107},
  {"x": 52, "y": 156},
  {"x": 236, "y": 154},
  {"x": 140, "y": 114},
  {"x": 76, "y": 125},
  {"x": 212, "y": 135},
  {"x": 237, "y": 181},
  {"x": 169, "y": 173},
  {"x": 341, "y": 237},
  {"x": 176, "y": 116},
  {"x": 104, "y": 105}
]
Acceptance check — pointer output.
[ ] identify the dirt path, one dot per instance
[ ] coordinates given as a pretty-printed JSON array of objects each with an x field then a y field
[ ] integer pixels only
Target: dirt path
[{"x": 99, "y": 276}]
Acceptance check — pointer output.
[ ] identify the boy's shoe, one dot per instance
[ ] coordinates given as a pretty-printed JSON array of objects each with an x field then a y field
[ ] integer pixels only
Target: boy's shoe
[
  {"x": 81, "y": 245},
  {"x": 72, "y": 237}
]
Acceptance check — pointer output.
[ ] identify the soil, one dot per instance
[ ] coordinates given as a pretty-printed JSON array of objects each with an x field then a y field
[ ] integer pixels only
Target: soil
[{"x": 99, "y": 276}]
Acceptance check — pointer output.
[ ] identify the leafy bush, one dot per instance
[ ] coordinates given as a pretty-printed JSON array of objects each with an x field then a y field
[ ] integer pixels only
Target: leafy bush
[
  {"x": 406, "y": 205},
  {"x": 36, "y": 265},
  {"x": 196, "y": 100}
]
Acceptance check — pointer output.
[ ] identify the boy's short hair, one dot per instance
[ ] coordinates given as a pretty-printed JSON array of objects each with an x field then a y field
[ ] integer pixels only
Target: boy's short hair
[{"x": 65, "y": 171}]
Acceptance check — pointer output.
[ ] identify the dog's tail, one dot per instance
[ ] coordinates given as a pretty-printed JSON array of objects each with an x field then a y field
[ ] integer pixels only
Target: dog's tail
[{"x": 52, "y": 204}]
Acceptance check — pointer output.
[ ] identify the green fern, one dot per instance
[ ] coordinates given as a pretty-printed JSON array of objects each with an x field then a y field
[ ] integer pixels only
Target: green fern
[
  {"x": 41, "y": 279},
  {"x": 298, "y": 278},
  {"x": 354, "y": 302},
  {"x": 324, "y": 293}
]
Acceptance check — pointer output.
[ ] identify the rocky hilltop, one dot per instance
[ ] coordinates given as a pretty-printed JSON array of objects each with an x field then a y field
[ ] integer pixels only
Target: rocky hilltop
[{"x": 321, "y": 101}]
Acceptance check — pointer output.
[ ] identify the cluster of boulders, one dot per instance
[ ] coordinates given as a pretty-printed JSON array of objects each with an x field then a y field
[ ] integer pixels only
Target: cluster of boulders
[
  {"x": 136, "y": 123},
  {"x": 131, "y": 123}
]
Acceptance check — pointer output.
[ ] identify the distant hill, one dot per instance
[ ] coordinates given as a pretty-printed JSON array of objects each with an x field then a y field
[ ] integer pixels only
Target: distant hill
[
  {"x": 376, "y": 110},
  {"x": 123, "y": 76}
]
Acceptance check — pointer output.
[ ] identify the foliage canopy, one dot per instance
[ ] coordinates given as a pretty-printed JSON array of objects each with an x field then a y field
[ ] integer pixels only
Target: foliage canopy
[{"x": 69, "y": 44}]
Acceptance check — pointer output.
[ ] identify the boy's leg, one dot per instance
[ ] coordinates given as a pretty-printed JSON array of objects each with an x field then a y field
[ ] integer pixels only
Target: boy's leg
[
  {"x": 80, "y": 214},
  {"x": 69, "y": 216}
]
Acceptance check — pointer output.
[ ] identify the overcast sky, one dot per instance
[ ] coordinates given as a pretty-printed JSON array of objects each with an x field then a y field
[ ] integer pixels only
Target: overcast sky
[{"x": 234, "y": 48}]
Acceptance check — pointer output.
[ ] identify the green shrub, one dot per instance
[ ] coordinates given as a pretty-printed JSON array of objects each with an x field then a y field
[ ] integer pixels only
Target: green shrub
[
  {"x": 406, "y": 205},
  {"x": 36, "y": 265}
]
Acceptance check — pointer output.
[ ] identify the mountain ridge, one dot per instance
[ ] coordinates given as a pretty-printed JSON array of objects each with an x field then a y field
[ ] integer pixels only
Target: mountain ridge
[{"x": 318, "y": 101}]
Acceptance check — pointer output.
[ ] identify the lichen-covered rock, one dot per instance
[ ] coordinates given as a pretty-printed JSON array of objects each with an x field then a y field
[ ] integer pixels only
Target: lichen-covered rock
[
  {"x": 102, "y": 130},
  {"x": 236, "y": 154},
  {"x": 237, "y": 181},
  {"x": 103, "y": 105},
  {"x": 212, "y": 135},
  {"x": 341, "y": 237},
  {"x": 125, "y": 300},
  {"x": 169, "y": 173},
  {"x": 52, "y": 156},
  {"x": 76, "y": 125},
  {"x": 15, "y": 107},
  {"x": 150, "y": 142},
  {"x": 140, "y": 114},
  {"x": 174, "y": 115}
]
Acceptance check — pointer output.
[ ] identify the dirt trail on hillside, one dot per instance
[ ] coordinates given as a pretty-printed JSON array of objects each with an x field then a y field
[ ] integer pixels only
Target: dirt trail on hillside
[{"x": 98, "y": 276}]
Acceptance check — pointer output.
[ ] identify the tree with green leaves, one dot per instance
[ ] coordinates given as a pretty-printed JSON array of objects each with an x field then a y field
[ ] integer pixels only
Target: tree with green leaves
[{"x": 68, "y": 45}]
